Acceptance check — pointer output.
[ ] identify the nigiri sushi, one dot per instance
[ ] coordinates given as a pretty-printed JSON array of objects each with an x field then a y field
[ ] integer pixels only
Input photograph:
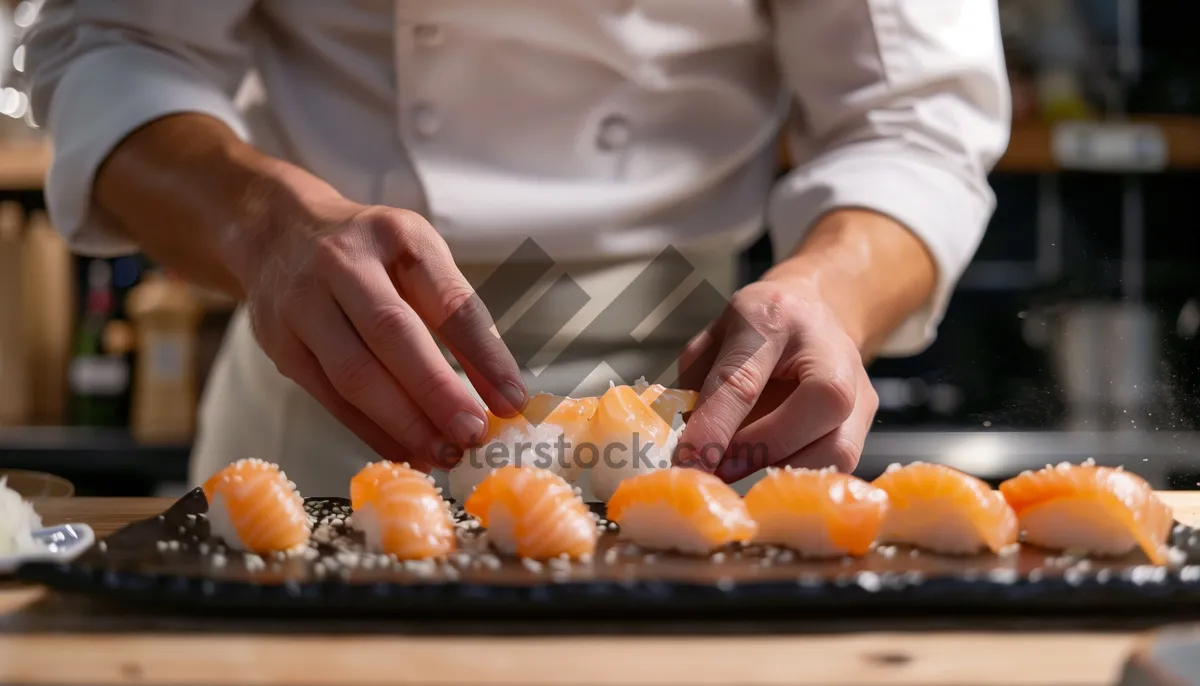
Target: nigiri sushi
[
  {"x": 944, "y": 510},
  {"x": 680, "y": 509},
  {"x": 670, "y": 404},
  {"x": 533, "y": 513},
  {"x": 253, "y": 507},
  {"x": 400, "y": 511},
  {"x": 1101, "y": 510},
  {"x": 817, "y": 512},
  {"x": 543, "y": 435},
  {"x": 629, "y": 439}
]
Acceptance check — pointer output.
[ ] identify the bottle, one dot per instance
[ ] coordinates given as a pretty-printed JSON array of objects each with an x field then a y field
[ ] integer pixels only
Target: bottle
[
  {"x": 48, "y": 303},
  {"x": 15, "y": 384},
  {"x": 98, "y": 377},
  {"x": 166, "y": 315}
]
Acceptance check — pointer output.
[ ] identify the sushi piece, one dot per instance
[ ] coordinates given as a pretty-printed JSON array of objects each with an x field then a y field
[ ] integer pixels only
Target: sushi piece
[
  {"x": 670, "y": 404},
  {"x": 545, "y": 434},
  {"x": 680, "y": 509},
  {"x": 817, "y": 513},
  {"x": 944, "y": 510},
  {"x": 253, "y": 507},
  {"x": 400, "y": 512},
  {"x": 533, "y": 513},
  {"x": 1100, "y": 510},
  {"x": 629, "y": 439}
]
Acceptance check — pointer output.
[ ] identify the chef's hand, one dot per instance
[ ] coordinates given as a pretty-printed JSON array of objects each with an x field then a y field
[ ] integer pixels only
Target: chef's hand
[
  {"x": 345, "y": 306},
  {"x": 781, "y": 373},
  {"x": 343, "y": 297},
  {"x": 781, "y": 383}
]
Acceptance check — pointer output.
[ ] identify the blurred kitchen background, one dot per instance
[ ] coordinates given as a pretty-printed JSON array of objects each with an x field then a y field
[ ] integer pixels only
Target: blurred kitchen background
[{"x": 1072, "y": 335}]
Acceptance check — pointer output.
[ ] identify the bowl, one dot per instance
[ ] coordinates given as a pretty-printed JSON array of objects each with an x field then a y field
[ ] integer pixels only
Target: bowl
[{"x": 31, "y": 484}]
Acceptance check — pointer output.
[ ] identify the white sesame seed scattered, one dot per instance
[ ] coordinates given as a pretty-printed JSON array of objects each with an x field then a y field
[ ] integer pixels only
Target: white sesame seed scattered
[
  {"x": 254, "y": 563},
  {"x": 887, "y": 551},
  {"x": 869, "y": 581},
  {"x": 1035, "y": 575},
  {"x": 161, "y": 546},
  {"x": 102, "y": 546},
  {"x": 531, "y": 565},
  {"x": 1003, "y": 576},
  {"x": 611, "y": 555},
  {"x": 718, "y": 557},
  {"x": 725, "y": 584},
  {"x": 217, "y": 560},
  {"x": 1176, "y": 556}
]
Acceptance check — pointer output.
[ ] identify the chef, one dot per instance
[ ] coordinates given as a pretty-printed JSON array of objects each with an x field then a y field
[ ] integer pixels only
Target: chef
[{"x": 387, "y": 185}]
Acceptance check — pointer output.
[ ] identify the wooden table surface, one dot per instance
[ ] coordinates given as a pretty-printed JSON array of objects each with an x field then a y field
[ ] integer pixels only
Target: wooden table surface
[{"x": 49, "y": 639}]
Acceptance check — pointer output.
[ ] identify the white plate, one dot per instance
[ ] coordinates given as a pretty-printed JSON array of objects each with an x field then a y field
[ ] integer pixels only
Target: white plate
[{"x": 61, "y": 543}]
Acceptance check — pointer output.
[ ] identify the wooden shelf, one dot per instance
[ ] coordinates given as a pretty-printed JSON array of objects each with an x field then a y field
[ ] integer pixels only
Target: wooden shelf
[
  {"x": 1030, "y": 150},
  {"x": 23, "y": 165},
  {"x": 1030, "y": 147}
]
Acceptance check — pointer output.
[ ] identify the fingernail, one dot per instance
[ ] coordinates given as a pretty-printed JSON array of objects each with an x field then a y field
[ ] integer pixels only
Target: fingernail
[
  {"x": 514, "y": 394},
  {"x": 444, "y": 455},
  {"x": 466, "y": 428}
]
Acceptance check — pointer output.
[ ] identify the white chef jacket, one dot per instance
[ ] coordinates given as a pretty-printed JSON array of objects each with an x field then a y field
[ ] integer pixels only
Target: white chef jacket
[{"x": 602, "y": 129}]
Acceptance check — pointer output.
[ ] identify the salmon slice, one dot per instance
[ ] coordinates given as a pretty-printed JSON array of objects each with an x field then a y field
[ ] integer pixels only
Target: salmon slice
[
  {"x": 547, "y": 434},
  {"x": 253, "y": 507},
  {"x": 1101, "y": 510},
  {"x": 944, "y": 510},
  {"x": 686, "y": 510},
  {"x": 400, "y": 512},
  {"x": 629, "y": 439},
  {"x": 817, "y": 512},
  {"x": 533, "y": 513},
  {"x": 668, "y": 403}
]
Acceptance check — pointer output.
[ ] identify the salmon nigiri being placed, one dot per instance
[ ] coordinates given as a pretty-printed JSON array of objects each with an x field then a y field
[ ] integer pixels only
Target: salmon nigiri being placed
[
  {"x": 545, "y": 434},
  {"x": 1100, "y": 510},
  {"x": 817, "y": 512},
  {"x": 533, "y": 513},
  {"x": 400, "y": 511},
  {"x": 944, "y": 510},
  {"x": 681, "y": 509},
  {"x": 253, "y": 507},
  {"x": 629, "y": 437}
]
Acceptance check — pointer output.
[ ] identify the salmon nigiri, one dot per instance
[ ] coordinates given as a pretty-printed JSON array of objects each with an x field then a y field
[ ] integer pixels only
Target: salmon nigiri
[
  {"x": 629, "y": 438},
  {"x": 817, "y": 512},
  {"x": 533, "y": 513},
  {"x": 944, "y": 510},
  {"x": 545, "y": 434},
  {"x": 670, "y": 404},
  {"x": 686, "y": 510},
  {"x": 253, "y": 507},
  {"x": 1101, "y": 510},
  {"x": 400, "y": 511}
]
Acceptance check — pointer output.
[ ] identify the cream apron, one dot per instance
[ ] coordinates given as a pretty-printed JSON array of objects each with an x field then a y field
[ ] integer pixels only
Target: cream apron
[{"x": 249, "y": 409}]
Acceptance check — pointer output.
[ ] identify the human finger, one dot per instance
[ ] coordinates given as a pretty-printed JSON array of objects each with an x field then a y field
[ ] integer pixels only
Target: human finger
[
  {"x": 431, "y": 282},
  {"x": 359, "y": 378},
  {"x": 400, "y": 340}
]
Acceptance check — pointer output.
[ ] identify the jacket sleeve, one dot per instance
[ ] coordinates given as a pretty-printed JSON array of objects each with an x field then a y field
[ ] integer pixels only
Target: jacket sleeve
[
  {"x": 903, "y": 108},
  {"x": 97, "y": 70}
]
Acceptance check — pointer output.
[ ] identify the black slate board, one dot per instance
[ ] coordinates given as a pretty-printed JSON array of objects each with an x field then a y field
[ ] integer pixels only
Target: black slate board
[{"x": 131, "y": 568}]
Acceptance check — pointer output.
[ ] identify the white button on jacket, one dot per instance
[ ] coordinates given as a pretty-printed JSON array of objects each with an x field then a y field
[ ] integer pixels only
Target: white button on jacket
[{"x": 501, "y": 117}]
